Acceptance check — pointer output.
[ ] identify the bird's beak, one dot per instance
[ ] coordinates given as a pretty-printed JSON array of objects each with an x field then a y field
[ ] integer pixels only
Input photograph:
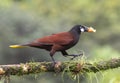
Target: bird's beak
[{"x": 90, "y": 29}]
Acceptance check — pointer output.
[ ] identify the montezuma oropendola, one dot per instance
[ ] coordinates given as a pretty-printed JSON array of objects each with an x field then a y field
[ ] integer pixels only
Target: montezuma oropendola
[{"x": 58, "y": 42}]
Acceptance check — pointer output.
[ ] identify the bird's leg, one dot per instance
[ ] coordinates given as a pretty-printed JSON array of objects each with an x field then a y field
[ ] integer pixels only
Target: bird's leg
[
  {"x": 53, "y": 59},
  {"x": 64, "y": 53},
  {"x": 52, "y": 52},
  {"x": 81, "y": 54}
]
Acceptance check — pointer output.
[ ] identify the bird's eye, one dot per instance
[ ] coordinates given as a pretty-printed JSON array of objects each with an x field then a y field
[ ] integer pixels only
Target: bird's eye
[{"x": 82, "y": 30}]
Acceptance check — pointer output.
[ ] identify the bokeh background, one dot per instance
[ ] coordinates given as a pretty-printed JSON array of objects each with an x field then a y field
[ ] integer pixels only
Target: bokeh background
[{"x": 22, "y": 21}]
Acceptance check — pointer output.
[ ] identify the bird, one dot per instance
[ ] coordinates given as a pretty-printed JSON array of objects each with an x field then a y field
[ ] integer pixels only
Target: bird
[{"x": 59, "y": 42}]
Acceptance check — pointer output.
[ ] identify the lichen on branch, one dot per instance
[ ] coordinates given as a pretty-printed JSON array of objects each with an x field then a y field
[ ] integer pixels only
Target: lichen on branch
[{"x": 73, "y": 66}]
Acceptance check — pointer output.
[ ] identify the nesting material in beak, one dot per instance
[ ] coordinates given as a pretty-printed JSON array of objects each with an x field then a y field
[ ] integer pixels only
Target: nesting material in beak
[{"x": 90, "y": 29}]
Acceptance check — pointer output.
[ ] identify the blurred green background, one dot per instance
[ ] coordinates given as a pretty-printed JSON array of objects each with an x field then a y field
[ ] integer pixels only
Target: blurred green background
[{"x": 22, "y": 21}]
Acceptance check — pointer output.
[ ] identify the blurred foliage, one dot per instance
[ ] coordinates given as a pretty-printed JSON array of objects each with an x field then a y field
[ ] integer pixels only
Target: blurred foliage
[{"x": 22, "y": 21}]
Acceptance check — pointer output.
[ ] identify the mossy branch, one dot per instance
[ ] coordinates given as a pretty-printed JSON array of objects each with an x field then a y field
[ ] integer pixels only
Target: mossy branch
[{"x": 38, "y": 67}]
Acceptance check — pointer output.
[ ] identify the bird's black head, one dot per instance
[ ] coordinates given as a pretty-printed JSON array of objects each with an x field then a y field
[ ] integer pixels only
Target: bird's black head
[{"x": 81, "y": 28}]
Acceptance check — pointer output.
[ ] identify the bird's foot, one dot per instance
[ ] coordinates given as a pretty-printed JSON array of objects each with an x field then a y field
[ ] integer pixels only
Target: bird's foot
[
  {"x": 74, "y": 56},
  {"x": 54, "y": 63}
]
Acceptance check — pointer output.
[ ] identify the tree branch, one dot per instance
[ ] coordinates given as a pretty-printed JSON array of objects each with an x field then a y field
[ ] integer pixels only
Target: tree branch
[{"x": 72, "y": 66}]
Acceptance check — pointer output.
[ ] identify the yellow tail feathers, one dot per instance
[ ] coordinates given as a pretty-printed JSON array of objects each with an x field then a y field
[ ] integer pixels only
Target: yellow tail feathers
[{"x": 16, "y": 46}]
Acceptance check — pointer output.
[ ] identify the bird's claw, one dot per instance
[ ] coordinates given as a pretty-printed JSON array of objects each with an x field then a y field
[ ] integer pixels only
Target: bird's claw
[
  {"x": 74, "y": 56},
  {"x": 53, "y": 64},
  {"x": 81, "y": 54},
  {"x": 56, "y": 64}
]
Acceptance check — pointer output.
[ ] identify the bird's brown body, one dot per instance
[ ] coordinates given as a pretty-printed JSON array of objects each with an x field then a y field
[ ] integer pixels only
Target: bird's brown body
[{"x": 58, "y": 42}]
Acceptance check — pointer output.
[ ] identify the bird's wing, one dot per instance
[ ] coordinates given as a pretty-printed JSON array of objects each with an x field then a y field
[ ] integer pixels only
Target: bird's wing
[{"x": 63, "y": 38}]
